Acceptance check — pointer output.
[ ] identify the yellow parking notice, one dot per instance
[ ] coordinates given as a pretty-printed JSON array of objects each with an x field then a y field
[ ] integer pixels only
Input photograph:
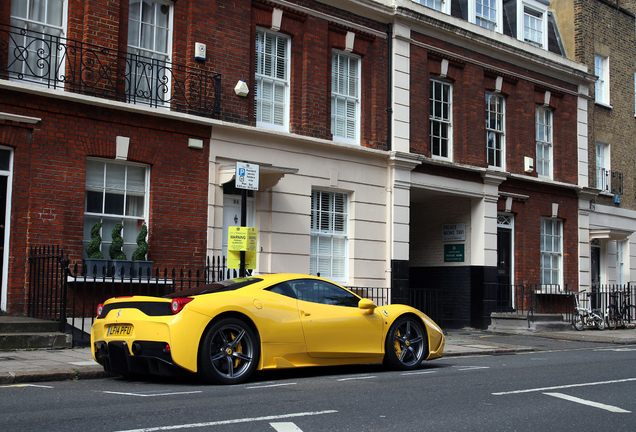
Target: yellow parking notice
[
  {"x": 241, "y": 239},
  {"x": 234, "y": 259}
]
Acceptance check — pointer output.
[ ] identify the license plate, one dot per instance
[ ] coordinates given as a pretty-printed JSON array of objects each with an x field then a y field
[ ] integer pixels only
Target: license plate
[{"x": 119, "y": 330}]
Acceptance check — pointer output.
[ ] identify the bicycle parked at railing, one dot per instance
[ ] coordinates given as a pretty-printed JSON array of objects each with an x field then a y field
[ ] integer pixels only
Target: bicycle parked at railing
[
  {"x": 622, "y": 315},
  {"x": 584, "y": 316}
]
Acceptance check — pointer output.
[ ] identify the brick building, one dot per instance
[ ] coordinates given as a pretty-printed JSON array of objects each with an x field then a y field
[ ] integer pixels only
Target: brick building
[
  {"x": 608, "y": 205},
  {"x": 148, "y": 124}
]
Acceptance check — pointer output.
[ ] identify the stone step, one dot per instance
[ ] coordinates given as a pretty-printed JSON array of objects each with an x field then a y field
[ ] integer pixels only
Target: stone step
[
  {"x": 19, "y": 332},
  {"x": 518, "y": 323},
  {"x": 13, "y": 341}
]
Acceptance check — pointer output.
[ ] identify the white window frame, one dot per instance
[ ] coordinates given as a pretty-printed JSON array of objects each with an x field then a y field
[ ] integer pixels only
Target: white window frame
[
  {"x": 329, "y": 249},
  {"x": 152, "y": 57},
  {"x": 496, "y": 131},
  {"x": 621, "y": 253},
  {"x": 30, "y": 22},
  {"x": 132, "y": 222},
  {"x": 438, "y": 5},
  {"x": 441, "y": 114},
  {"x": 603, "y": 167},
  {"x": 551, "y": 264},
  {"x": 277, "y": 79},
  {"x": 481, "y": 19},
  {"x": 544, "y": 138},
  {"x": 602, "y": 85},
  {"x": 345, "y": 97},
  {"x": 538, "y": 10}
]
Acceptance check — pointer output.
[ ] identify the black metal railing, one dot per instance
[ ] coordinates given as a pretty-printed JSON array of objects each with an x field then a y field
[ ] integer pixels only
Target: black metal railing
[
  {"x": 79, "y": 67},
  {"x": 46, "y": 295},
  {"x": 609, "y": 181}
]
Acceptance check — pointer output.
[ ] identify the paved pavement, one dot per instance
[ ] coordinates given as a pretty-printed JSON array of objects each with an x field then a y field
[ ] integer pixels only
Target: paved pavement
[{"x": 23, "y": 366}]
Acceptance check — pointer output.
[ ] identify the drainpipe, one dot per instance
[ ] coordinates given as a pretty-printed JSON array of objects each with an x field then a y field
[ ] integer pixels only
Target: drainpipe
[{"x": 389, "y": 100}]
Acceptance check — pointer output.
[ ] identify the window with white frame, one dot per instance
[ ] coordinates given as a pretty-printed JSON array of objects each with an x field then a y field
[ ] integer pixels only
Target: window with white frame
[
  {"x": 271, "y": 100},
  {"x": 433, "y": 4},
  {"x": 544, "y": 141},
  {"x": 33, "y": 52},
  {"x": 149, "y": 48},
  {"x": 115, "y": 192},
  {"x": 602, "y": 167},
  {"x": 486, "y": 13},
  {"x": 495, "y": 129},
  {"x": 440, "y": 116},
  {"x": 329, "y": 241},
  {"x": 551, "y": 251},
  {"x": 345, "y": 97},
  {"x": 621, "y": 248},
  {"x": 534, "y": 26},
  {"x": 601, "y": 70}
]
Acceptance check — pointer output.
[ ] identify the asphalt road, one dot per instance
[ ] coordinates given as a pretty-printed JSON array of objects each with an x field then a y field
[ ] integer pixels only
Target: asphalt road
[{"x": 573, "y": 386}]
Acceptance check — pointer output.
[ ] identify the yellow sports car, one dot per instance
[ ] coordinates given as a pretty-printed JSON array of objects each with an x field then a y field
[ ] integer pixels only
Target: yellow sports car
[{"x": 225, "y": 331}]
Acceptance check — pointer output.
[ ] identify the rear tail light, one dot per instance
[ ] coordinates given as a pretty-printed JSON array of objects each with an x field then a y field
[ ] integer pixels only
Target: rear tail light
[
  {"x": 178, "y": 304},
  {"x": 100, "y": 308}
]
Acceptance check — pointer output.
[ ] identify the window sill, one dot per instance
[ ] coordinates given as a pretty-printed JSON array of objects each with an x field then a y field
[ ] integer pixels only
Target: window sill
[{"x": 603, "y": 105}]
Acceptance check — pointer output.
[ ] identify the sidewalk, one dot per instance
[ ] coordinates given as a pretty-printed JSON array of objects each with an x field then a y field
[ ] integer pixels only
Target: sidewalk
[{"x": 26, "y": 366}]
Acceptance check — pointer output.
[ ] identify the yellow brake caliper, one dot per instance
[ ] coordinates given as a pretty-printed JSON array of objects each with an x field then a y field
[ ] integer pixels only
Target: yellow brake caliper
[
  {"x": 396, "y": 343},
  {"x": 238, "y": 349}
]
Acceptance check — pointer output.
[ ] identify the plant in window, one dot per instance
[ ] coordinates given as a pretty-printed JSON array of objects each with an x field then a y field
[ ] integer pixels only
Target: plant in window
[
  {"x": 118, "y": 242},
  {"x": 93, "y": 249},
  {"x": 142, "y": 245}
]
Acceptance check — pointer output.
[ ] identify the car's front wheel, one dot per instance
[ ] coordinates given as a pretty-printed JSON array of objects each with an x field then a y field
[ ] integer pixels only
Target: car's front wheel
[
  {"x": 406, "y": 344},
  {"x": 229, "y": 353}
]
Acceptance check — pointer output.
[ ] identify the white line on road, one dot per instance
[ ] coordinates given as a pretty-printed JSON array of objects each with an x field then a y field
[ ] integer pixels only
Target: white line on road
[
  {"x": 151, "y": 394},
  {"x": 26, "y": 385},
  {"x": 465, "y": 368},
  {"x": 285, "y": 427},
  {"x": 357, "y": 378},
  {"x": 418, "y": 373},
  {"x": 615, "y": 349},
  {"x": 588, "y": 403},
  {"x": 541, "y": 389},
  {"x": 234, "y": 421},
  {"x": 269, "y": 385}
]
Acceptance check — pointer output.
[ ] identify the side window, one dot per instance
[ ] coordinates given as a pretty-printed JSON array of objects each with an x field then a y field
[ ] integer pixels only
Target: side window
[
  {"x": 283, "y": 289},
  {"x": 317, "y": 291},
  {"x": 115, "y": 192}
]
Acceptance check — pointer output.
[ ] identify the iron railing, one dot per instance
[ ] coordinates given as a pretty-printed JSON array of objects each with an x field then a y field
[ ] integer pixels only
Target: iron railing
[
  {"x": 609, "y": 181},
  {"x": 80, "y": 67}
]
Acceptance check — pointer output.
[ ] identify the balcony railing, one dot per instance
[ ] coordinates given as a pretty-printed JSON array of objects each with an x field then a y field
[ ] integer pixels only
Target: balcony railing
[
  {"x": 78, "y": 67},
  {"x": 609, "y": 181}
]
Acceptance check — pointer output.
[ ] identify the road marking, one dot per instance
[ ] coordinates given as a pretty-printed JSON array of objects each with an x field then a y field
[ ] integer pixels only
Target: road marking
[
  {"x": 285, "y": 427},
  {"x": 541, "y": 389},
  {"x": 234, "y": 421},
  {"x": 269, "y": 385},
  {"x": 588, "y": 403},
  {"x": 152, "y": 394},
  {"x": 465, "y": 368},
  {"x": 418, "y": 373},
  {"x": 357, "y": 378},
  {"x": 615, "y": 349},
  {"x": 26, "y": 385}
]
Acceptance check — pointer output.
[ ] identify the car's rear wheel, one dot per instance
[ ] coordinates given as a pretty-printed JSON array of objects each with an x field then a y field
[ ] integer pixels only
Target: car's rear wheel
[
  {"x": 406, "y": 344},
  {"x": 229, "y": 353}
]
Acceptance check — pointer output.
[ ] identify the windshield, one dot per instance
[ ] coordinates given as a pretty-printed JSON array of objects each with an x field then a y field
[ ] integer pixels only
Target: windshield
[{"x": 221, "y": 286}]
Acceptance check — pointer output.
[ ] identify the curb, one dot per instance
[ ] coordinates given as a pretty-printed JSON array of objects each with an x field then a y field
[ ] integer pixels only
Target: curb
[{"x": 90, "y": 372}]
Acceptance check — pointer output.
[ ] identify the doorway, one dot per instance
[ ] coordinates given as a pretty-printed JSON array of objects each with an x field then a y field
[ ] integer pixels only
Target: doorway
[{"x": 505, "y": 287}]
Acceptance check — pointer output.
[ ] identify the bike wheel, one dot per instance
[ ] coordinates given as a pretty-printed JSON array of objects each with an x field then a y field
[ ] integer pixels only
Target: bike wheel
[
  {"x": 612, "y": 322},
  {"x": 599, "y": 322},
  {"x": 577, "y": 321}
]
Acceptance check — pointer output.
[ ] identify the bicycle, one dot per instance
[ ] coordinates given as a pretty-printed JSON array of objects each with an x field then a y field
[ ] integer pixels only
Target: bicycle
[
  {"x": 583, "y": 316},
  {"x": 620, "y": 316}
]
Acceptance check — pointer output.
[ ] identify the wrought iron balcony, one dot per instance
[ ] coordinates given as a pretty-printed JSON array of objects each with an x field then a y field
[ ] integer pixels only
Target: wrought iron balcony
[
  {"x": 609, "y": 181},
  {"x": 61, "y": 63}
]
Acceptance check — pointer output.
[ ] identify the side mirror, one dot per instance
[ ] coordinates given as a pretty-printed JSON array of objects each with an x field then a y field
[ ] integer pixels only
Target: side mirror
[{"x": 367, "y": 304}]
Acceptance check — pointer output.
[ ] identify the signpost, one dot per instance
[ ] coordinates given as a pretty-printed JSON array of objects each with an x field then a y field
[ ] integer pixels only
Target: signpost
[{"x": 246, "y": 178}]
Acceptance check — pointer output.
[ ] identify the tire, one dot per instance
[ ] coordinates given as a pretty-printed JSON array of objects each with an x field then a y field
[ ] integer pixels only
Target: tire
[
  {"x": 599, "y": 322},
  {"x": 612, "y": 318},
  {"x": 577, "y": 321},
  {"x": 406, "y": 344},
  {"x": 229, "y": 353}
]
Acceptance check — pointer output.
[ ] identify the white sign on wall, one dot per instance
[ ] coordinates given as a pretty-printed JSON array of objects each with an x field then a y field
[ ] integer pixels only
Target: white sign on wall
[
  {"x": 454, "y": 232},
  {"x": 247, "y": 176}
]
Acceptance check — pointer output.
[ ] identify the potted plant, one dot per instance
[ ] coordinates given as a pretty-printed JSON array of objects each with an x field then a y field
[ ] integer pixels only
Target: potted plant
[
  {"x": 140, "y": 266},
  {"x": 95, "y": 263},
  {"x": 118, "y": 258}
]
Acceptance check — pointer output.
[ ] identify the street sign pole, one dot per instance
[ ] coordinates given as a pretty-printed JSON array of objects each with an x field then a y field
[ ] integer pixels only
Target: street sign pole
[
  {"x": 243, "y": 223},
  {"x": 247, "y": 177}
]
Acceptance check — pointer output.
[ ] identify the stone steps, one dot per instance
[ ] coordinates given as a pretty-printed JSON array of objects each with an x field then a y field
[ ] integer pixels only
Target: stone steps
[
  {"x": 518, "y": 323},
  {"x": 17, "y": 332}
]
